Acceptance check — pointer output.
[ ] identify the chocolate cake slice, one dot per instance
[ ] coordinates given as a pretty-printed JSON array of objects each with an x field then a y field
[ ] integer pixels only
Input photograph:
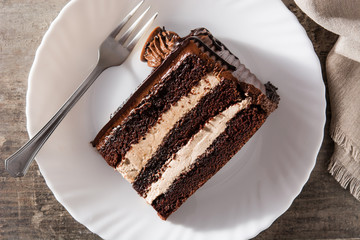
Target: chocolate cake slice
[{"x": 197, "y": 108}]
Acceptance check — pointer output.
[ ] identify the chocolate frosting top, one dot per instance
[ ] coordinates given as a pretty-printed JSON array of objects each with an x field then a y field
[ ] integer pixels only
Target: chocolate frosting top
[
  {"x": 158, "y": 46},
  {"x": 161, "y": 43}
]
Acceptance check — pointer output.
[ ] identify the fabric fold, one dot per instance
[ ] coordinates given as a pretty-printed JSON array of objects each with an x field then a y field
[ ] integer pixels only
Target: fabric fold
[
  {"x": 344, "y": 92},
  {"x": 343, "y": 82}
]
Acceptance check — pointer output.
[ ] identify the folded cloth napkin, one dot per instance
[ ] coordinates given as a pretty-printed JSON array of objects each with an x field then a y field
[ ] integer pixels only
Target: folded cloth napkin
[{"x": 343, "y": 72}]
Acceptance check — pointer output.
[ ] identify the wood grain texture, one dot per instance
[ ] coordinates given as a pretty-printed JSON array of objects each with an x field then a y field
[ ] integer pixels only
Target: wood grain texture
[{"x": 28, "y": 210}]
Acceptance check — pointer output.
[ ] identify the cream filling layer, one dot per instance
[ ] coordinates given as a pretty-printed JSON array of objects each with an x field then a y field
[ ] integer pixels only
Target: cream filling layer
[
  {"x": 138, "y": 155},
  {"x": 196, "y": 146}
]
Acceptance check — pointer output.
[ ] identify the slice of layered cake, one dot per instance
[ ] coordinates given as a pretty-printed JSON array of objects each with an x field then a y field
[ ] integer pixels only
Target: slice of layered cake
[{"x": 197, "y": 108}]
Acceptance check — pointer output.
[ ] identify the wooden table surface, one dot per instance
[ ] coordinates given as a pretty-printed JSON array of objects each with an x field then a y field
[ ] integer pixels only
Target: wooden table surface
[{"x": 28, "y": 209}]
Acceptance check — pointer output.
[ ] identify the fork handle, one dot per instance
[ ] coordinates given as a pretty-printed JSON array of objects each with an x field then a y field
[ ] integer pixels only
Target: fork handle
[{"x": 18, "y": 163}]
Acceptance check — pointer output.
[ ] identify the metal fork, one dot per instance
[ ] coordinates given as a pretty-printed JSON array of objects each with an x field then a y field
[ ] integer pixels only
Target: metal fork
[{"x": 112, "y": 52}]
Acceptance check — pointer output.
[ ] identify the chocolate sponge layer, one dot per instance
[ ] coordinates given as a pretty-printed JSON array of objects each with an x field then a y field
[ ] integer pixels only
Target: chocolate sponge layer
[
  {"x": 239, "y": 130},
  {"x": 222, "y": 96},
  {"x": 165, "y": 93}
]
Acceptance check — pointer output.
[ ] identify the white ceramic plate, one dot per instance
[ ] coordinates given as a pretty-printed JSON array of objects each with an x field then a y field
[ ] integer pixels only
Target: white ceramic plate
[{"x": 250, "y": 192}]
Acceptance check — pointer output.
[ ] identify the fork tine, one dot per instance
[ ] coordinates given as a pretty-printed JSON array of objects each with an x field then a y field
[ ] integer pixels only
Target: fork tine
[
  {"x": 125, "y": 20},
  {"x": 135, "y": 40},
  {"x": 126, "y": 35}
]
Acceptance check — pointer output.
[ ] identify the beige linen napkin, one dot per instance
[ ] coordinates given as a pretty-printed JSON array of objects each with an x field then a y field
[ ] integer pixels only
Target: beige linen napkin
[{"x": 343, "y": 71}]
